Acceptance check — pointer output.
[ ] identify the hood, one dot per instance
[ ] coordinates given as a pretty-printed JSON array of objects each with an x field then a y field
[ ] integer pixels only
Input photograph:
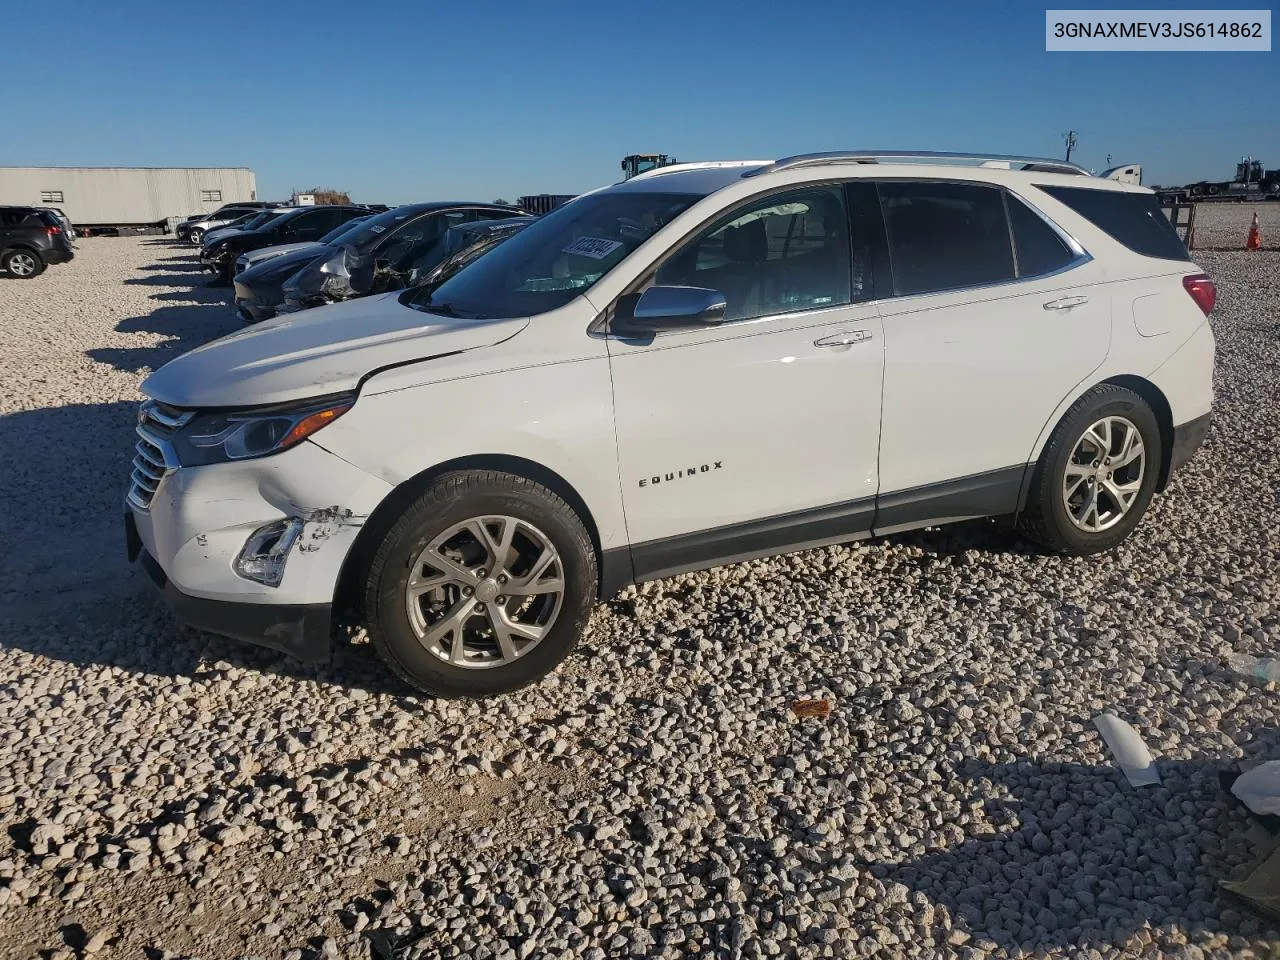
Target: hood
[
  {"x": 283, "y": 265},
  {"x": 316, "y": 352},
  {"x": 266, "y": 253},
  {"x": 216, "y": 236}
]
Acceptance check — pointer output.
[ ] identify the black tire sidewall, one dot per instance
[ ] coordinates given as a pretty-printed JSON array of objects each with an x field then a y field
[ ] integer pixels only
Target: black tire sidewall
[
  {"x": 1134, "y": 409},
  {"x": 427, "y": 517}
]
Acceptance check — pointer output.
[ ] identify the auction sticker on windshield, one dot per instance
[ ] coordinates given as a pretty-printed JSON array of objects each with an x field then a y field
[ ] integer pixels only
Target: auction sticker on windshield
[{"x": 597, "y": 248}]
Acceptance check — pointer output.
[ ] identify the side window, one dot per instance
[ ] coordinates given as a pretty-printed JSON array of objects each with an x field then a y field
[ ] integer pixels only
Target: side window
[
  {"x": 1039, "y": 248},
  {"x": 327, "y": 218},
  {"x": 306, "y": 225},
  {"x": 944, "y": 235},
  {"x": 781, "y": 254},
  {"x": 1133, "y": 219},
  {"x": 346, "y": 216}
]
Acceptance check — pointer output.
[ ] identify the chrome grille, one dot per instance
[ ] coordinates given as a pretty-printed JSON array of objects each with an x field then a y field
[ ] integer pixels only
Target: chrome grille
[{"x": 153, "y": 456}]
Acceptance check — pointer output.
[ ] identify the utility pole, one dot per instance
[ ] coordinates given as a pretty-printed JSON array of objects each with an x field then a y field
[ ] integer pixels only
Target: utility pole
[{"x": 1070, "y": 138}]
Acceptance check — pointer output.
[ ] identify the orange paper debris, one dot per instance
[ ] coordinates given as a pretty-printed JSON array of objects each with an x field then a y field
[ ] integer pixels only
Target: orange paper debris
[{"x": 812, "y": 708}]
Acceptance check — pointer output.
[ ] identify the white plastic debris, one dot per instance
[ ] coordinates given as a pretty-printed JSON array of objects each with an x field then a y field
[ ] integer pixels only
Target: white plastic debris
[
  {"x": 1259, "y": 788},
  {"x": 1131, "y": 754},
  {"x": 1260, "y": 668}
]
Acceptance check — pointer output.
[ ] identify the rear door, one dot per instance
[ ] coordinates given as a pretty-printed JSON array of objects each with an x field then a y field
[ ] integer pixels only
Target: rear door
[{"x": 996, "y": 315}]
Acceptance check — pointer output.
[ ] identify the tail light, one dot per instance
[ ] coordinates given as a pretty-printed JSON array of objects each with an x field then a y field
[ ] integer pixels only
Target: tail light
[
  {"x": 1202, "y": 290},
  {"x": 53, "y": 231}
]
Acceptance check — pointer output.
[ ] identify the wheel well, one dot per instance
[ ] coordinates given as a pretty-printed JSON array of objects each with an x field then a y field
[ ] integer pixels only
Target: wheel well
[
  {"x": 1164, "y": 417},
  {"x": 348, "y": 594}
]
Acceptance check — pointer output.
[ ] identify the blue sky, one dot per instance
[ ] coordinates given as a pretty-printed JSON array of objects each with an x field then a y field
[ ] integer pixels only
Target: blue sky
[{"x": 397, "y": 100}]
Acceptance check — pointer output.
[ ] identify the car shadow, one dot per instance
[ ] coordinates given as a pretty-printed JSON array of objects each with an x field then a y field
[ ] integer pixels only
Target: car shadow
[
  {"x": 187, "y": 263},
  {"x": 1074, "y": 856},
  {"x": 67, "y": 591},
  {"x": 192, "y": 276},
  {"x": 185, "y": 327}
]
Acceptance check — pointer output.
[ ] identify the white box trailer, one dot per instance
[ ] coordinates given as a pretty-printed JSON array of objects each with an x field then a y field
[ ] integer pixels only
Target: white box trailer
[{"x": 103, "y": 198}]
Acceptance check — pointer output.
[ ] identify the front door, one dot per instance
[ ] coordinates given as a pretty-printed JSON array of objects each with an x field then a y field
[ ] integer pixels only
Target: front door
[{"x": 759, "y": 433}]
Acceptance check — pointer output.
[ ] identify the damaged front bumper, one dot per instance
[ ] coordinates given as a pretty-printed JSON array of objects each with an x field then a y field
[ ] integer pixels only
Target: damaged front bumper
[{"x": 192, "y": 539}]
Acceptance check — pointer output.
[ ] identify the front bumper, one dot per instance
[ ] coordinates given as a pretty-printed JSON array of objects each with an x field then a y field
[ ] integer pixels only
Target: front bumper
[
  {"x": 218, "y": 262},
  {"x": 200, "y": 518},
  {"x": 303, "y": 631}
]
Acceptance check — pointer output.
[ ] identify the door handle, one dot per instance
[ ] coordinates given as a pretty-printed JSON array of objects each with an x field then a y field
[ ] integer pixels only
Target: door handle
[
  {"x": 1065, "y": 303},
  {"x": 846, "y": 339}
]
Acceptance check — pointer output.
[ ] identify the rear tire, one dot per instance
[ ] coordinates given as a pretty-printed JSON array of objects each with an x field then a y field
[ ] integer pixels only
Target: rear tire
[
  {"x": 450, "y": 618},
  {"x": 1096, "y": 475},
  {"x": 22, "y": 264}
]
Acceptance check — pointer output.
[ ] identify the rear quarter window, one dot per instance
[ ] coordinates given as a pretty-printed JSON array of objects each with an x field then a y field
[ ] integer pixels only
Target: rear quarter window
[{"x": 1133, "y": 219}]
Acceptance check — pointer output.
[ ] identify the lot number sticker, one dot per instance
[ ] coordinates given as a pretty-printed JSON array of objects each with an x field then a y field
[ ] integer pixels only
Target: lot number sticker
[{"x": 597, "y": 248}]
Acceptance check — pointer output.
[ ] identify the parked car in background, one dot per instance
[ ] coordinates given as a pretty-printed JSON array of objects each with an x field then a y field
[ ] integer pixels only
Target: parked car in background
[
  {"x": 392, "y": 236},
  {"x": 303, "y": 224},
  {"x": 30, "y": 240},
  {"x": 217, "y": 220},
  {"x": 65, "y": 221},
  {"x": 251, "y": 258},
  {"x": 437, "y": 262},
  {"x": 250, "y": 222},
  {"x": 182, "y": 231},
  {"x": 702, "y": 363},
  {"x": 258, "y": 288}
]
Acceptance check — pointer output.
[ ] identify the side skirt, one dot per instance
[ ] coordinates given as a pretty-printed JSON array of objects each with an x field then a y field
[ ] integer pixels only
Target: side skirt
[{"x": 990, "y": 494}]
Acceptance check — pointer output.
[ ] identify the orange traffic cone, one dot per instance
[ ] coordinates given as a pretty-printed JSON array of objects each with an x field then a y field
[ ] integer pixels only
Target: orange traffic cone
[{"x": 1254, "y": 240}]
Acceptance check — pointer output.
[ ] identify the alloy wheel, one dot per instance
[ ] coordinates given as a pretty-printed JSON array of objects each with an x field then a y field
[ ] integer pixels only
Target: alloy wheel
[
  {"x": 1104, "y": 474},
  {"x": 485, "y": 592},
  {"x": 22, "y": 264}
]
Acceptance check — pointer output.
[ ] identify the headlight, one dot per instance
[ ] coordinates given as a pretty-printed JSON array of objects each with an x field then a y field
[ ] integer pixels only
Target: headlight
[{"x": 245, "y": 434}]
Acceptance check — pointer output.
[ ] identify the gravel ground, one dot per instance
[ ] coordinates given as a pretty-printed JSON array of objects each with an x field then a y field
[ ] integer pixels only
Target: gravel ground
[
  {"x": 166, "y": 794},
  {"x": 1226, "y": 225}
]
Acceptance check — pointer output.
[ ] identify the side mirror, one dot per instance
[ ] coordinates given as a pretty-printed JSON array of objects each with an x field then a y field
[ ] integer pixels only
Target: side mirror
[{"x": 671, "y": 308}]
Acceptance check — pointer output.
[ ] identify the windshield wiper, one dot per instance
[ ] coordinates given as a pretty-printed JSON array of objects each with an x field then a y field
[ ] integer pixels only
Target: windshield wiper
[{"x": 445, "y": 310}]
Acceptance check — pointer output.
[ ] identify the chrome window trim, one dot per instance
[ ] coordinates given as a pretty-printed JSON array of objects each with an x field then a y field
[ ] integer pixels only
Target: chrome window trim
[
  {"x": 1080, "y": 258},
  {"x": 598, "y": 328}
]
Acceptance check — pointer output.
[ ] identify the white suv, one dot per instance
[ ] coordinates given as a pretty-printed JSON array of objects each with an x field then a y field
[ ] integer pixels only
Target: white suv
[{"x": 704, "y": 363}]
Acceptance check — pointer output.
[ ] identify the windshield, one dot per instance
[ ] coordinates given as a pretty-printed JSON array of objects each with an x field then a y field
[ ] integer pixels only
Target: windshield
[
  {"x": 258, "y": 219},
  {"x": 455, "y": 250},
  {"x": 555, "y": 259},
  {"x": 341, "y": 230},
  {"x": 371, "y": 230},
  {"x": 277, "y": 219}
]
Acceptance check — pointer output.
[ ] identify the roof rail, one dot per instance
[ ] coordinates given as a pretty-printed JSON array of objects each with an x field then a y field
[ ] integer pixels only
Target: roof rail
[
  {"x": 698, "y": 165},
  {"x": 1040, "y": 164}
]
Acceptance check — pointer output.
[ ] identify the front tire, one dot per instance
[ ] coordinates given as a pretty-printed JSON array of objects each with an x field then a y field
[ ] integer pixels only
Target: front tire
[
  {"x": 1096, "y": 475},
  {"x": 196, "y": 237},
  {"x": 23, "y": 264},
  {"x": 483, "y": 585}
]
